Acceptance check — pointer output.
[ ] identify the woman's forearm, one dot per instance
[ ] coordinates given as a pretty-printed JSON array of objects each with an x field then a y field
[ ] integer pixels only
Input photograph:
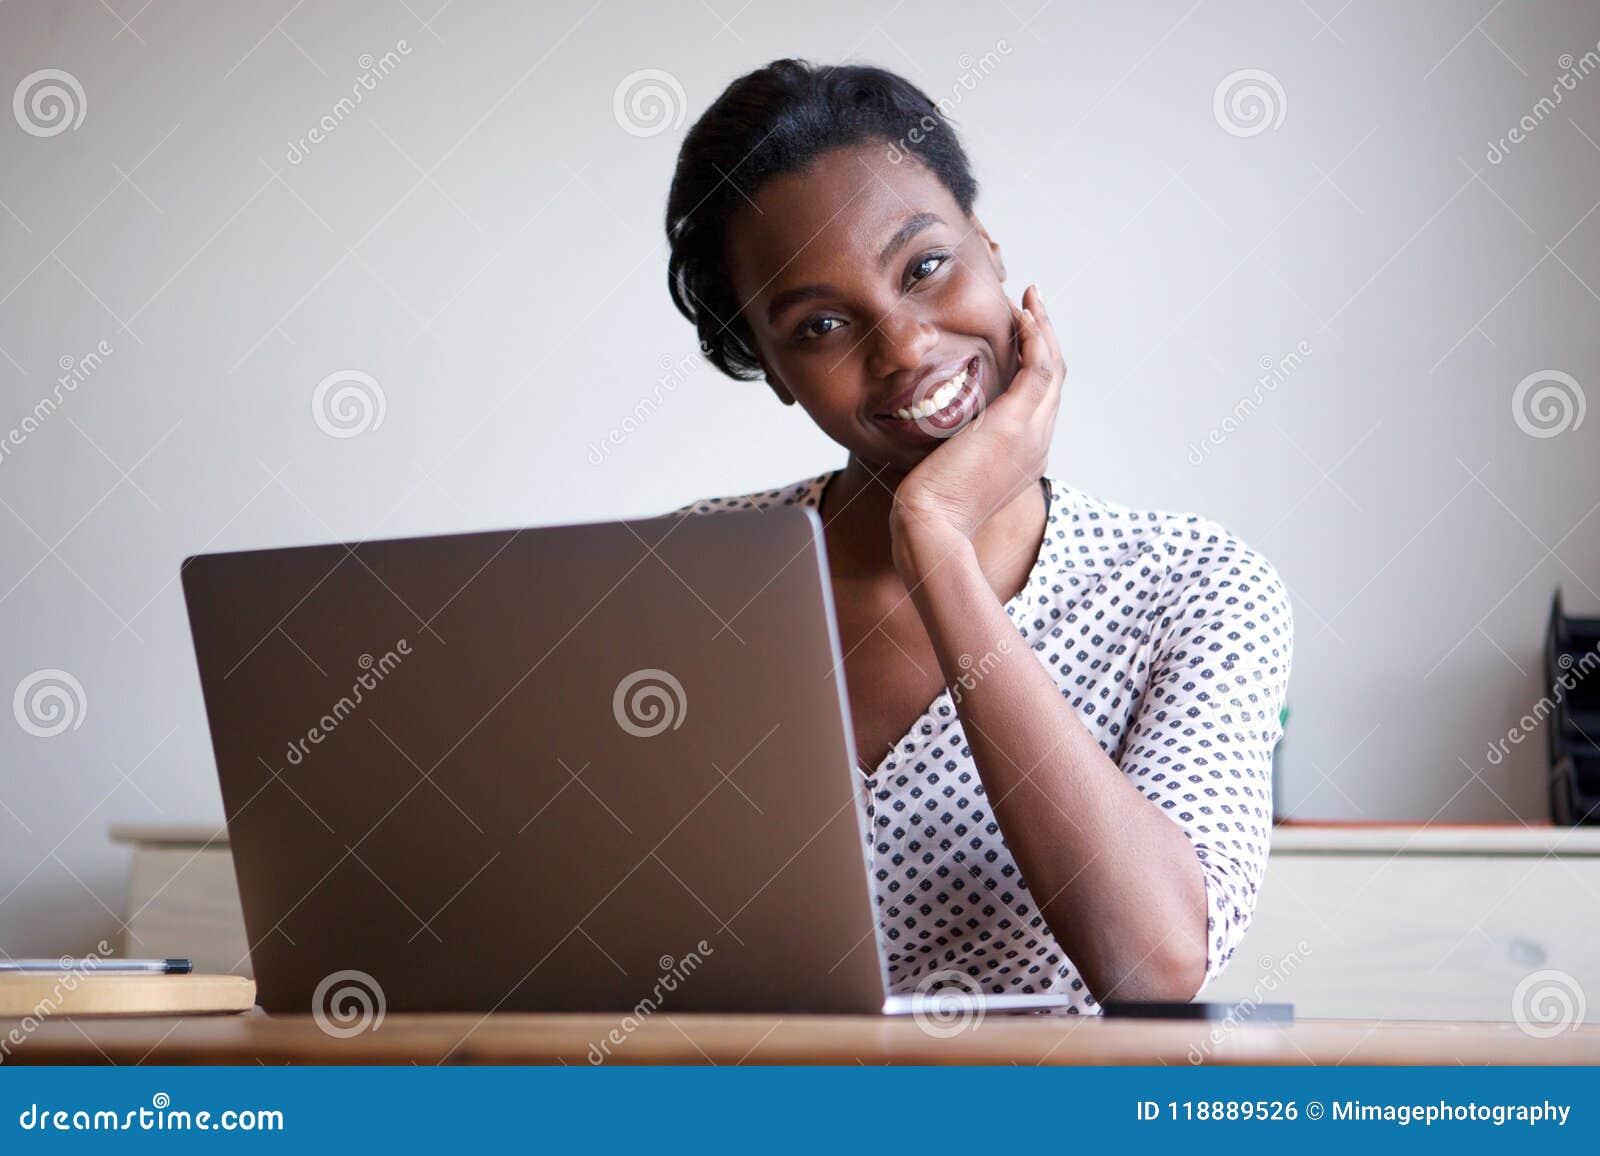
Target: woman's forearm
[{"x": 1118, "y": 883}]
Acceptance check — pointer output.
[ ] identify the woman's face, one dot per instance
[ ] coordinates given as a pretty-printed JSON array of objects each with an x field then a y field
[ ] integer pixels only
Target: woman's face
[{"x": 868, "y": 292}]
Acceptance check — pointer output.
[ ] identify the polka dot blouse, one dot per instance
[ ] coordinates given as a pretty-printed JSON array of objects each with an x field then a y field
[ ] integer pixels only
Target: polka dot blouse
[{"x": 1172, "y": 640}]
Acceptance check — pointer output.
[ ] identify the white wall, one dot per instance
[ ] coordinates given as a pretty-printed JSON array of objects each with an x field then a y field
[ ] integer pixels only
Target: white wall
[{"x": 482, "y": 237}]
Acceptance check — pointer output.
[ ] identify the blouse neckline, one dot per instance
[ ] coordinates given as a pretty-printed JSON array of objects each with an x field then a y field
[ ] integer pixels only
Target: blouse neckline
[{"x": 1037, "y": 574}]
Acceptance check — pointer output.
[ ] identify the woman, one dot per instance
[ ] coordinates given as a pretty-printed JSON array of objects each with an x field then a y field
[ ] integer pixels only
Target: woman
[{"x": 1044, "y": 686}]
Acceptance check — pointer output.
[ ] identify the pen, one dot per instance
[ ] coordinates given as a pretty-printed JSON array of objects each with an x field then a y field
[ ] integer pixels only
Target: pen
[{"x": 109, "y": 966}]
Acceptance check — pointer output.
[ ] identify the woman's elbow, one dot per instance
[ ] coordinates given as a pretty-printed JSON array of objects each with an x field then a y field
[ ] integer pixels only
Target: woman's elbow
[{"x": 1172, "y": 972}]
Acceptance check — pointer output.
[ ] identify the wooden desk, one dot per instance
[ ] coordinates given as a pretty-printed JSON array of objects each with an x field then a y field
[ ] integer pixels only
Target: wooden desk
[{"x": 719, "y": 1039}]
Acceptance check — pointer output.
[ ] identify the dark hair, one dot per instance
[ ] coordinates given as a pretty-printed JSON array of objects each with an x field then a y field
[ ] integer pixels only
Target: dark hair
[{"x": 776, "y": 120}]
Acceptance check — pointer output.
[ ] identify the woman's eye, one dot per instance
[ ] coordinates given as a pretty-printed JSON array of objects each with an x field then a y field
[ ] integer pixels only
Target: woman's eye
[
  {"x": 941, "y": 258},
  {"x": 807, "y": 329}
]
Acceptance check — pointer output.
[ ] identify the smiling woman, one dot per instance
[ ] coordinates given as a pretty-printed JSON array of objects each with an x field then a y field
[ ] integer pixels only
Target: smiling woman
[{"x": 1090, "y": 813}]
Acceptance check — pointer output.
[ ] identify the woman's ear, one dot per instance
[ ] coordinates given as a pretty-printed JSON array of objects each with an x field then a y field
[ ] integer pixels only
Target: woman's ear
[
  {"x": 995, "y": 259},
  {"x": 775, "y": 383}
]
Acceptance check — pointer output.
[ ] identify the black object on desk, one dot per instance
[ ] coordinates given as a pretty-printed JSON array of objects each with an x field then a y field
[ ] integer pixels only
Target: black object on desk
[
  {"x": 1572, "y": 676},
  {"x": 1242, "y": 1012}
]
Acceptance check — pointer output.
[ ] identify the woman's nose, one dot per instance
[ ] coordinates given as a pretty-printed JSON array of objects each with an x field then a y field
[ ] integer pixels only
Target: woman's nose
[{"x": 901, "y": 340}]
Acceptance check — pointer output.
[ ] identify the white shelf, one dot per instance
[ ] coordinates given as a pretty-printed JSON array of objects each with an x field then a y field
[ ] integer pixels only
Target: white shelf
[{"x": 1434, "y": 839}]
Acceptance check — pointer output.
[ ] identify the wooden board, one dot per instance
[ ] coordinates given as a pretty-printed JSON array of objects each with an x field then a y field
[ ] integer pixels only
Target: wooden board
[
  {"x": 190, "y": 835},
  {"x": 70, "y": 994},
  {"x": 185, "y": 903},
  {"x": 514, "y": 1038}
]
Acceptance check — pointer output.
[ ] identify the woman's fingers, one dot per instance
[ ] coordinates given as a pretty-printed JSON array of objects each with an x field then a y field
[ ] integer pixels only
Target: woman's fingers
[
  {"x": 1037, "y": 367},
  {"x": 1018, "y": 321},
  {"x": 1054, "y": 370},
  {"x": 1042, "y": 313},
  {"x": 1038, "y": 379}
]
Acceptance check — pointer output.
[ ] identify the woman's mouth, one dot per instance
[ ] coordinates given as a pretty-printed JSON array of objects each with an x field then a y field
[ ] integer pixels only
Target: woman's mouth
[{"x": 944, "y": 406}]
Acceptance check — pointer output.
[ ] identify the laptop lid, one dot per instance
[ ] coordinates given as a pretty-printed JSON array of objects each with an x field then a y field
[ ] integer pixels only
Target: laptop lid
[{"x": 590, "y": 767}]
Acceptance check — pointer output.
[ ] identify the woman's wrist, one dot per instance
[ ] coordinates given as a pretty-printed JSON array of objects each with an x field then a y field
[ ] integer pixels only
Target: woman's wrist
[{"x": 921, "y": 542}]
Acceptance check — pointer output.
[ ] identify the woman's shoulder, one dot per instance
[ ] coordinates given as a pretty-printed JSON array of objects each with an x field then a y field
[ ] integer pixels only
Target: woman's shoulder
[
  {"x": 1204, "y": 591},
  {"x": 805, "y": 492},
  {"x": 1176, "y": 550}
]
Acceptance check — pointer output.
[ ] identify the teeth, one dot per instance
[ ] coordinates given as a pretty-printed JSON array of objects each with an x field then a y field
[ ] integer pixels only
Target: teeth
[{"x": 935, "y": 401}]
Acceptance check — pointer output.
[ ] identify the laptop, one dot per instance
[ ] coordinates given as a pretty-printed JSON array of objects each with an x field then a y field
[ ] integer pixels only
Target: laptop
[{"x": 593, "y": 767}]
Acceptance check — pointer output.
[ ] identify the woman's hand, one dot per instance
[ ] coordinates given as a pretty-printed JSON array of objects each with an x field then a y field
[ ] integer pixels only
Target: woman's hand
[{"x": 997, "y": 455}]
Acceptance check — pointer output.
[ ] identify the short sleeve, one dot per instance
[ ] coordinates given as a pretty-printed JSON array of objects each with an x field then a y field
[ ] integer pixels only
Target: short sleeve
[{"x": 1200, "y": 743}]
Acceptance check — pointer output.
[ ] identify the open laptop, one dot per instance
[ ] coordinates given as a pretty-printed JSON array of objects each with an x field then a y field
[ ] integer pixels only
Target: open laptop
[{"x": 581, "y": 768}]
